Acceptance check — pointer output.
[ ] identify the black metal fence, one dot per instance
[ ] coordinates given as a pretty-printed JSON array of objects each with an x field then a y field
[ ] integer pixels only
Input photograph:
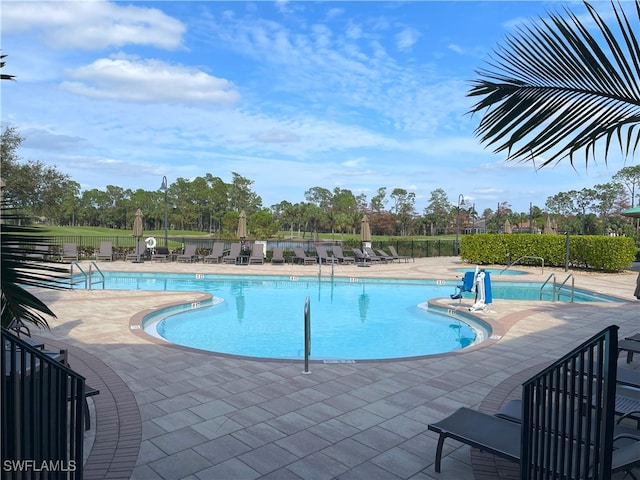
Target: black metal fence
[
  {"x": 88, "y": 246},
  {"x": 42, "y": 408},
  {"x": 568, "y": 414}
]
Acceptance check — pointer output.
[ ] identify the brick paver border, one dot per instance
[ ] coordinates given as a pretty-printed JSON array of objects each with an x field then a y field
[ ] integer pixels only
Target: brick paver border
[{"x": 118, "y": 424}]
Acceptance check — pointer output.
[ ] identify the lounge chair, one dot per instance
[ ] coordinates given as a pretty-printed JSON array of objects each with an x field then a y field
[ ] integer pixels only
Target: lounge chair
[
  {"x": 383, "y": 255},
  {"x": 468, "y": 281},
  {"x": 480, "y": 430},
  {"x": 363, "y": 257},
  {"x": 69, "y": 252},
  {"x": 39, "y": 252},
  {"x": 139, "y": 252},
  {"x": 162, "y": 254},
  {"x": 502, "y": 438},
  {"x": 629, "y": 346},
  {"x": 189, "y": 254},
  {"x": 105, "y": 252},
  {"x": 232, "y": 256},
  {"x": 395, "y": 255},
  {"x": 555, "y": 403},
  {"x": 257, "y": 254},
  {"x": 300, "y": 257},
  {"x": 374, "y": 256},
  {"x": 323, "y": 256},
  {"x": 217, "y": 252},
  {"x": 277, "y": 257},
  {"x": 337, "y": 252}
]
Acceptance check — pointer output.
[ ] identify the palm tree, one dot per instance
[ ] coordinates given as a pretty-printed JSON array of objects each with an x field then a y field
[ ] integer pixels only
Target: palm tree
[
  {"x": 18, "y": 270},
  {"x": 4, "y": 76},
  {"x": 552, "y": 91}
]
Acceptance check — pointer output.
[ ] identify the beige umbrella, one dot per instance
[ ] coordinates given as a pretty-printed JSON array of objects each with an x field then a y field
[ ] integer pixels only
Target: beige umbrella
[
  {"x": 507, "y": 226},
  {"x": 242, "y": 226},
  {"x": 365, "y": 230},
  {"x": 137, "y": 231}
]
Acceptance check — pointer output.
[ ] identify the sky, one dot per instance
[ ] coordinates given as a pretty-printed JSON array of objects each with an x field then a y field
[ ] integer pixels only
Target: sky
[{"x": 291, "y": 95}]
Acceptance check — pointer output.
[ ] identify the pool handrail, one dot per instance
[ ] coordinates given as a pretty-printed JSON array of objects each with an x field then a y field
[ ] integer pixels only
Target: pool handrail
[
  {"x": 520, "y": 258},
  {"x": 307, "y": 335},
  {"x": 88, "y": 282},
  {"x": 553, "y": 293},
  {"x": 573, "y": 282}
]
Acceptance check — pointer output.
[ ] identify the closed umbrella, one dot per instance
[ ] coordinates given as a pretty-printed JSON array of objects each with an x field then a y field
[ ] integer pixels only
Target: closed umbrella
[
  {"x": 507, "y": 226},
  {"x": 137, "y": 231},
  {"x": 242, "y": 226},
  {"x": 548, "y": 227},
  {"x": 365, "y": 232},
  {"x": 242, "y": 233}
]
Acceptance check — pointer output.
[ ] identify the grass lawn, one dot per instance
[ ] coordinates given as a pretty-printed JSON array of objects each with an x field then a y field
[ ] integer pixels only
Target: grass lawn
[{"x": 99, "y": 231}]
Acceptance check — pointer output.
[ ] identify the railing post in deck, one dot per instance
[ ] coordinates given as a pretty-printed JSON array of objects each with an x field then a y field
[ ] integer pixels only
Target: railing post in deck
[{"x": 307, "y": 335}]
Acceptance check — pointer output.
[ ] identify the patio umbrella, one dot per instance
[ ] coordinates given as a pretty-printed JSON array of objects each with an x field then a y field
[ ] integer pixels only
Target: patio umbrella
[
  {"x": 137, "y": 231},
  {"x": 633, "y": 212},
  {"x": 548, "y": 228},
  {"x": 507, "y": 226},
  {"x": 242, "y": 226},
  {"x": 365, "y": 232}
]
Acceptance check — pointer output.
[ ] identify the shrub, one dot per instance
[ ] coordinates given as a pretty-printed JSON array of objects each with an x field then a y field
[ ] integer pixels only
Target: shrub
[{"x": 587, "y": 251}]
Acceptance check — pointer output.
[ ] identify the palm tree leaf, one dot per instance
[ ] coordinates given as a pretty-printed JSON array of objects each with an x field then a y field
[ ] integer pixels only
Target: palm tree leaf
[
  {"x": 20, "y": 272},
  {"x": 552, "y": 90}
]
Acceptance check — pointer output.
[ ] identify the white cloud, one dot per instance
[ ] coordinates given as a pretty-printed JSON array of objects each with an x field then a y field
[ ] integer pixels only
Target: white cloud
[
  {"x": 455, "y": 48},
  {"x": 407, "y": 38},
  {"x": 89, "y": 25},
  {"x": 133, "y": 80}
]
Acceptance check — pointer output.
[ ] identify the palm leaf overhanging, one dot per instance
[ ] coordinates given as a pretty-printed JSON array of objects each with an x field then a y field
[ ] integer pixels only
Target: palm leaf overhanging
[
  {"x": 19, "y": 271},
  {"x": 552, "y": 91}
]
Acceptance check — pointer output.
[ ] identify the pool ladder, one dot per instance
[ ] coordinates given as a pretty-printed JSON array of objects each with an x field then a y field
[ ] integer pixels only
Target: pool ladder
[
  {"x": 521, "y": 258},
  {"x": 558, "y": 289},
  {"x": 307, "y": 335},
  {"x": 333, "y": 259},
  {"x": 87, "y": 276}
]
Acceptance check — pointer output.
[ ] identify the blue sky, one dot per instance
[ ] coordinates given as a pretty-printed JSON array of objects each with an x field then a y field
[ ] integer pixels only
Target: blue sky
[{"x": 292, "y": 95}]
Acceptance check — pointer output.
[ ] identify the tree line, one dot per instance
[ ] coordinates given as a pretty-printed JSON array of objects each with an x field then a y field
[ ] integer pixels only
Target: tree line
[{"x": 208, "y": 204}]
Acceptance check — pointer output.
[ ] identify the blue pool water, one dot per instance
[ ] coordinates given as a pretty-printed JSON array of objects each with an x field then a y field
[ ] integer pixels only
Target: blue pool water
[{"x": 352, "y": 319}]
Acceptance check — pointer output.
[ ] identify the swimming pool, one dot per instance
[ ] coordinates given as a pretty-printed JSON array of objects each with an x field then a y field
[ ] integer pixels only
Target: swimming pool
[{"x": 352, "y": 318}]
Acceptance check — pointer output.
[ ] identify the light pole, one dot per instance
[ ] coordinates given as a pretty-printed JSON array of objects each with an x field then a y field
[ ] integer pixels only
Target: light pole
[
  {"x": 460, "y": 204},
  {"x": 164, "y": 187}
]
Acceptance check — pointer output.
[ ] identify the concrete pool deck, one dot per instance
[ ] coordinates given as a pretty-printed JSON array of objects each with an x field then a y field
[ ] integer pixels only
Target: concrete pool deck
[{"x": 167, "y": 412}]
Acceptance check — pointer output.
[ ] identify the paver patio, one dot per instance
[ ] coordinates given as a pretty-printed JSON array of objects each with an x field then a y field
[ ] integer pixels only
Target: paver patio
[{"x": 168, "y": 412}]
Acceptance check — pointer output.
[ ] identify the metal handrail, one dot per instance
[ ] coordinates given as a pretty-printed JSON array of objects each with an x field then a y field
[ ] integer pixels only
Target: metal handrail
[
  {"x": 88, "y": 282},
  {"x": 101, "y": 280},
  {"x": 573, "y": 281},
  {"x": 524, "y": 256},
  {"x": 42, "y": 409},
  {"x": 553, "y": 294},
  {"x": 307, "y": 335},
  {"x": 84, "y": 274}
]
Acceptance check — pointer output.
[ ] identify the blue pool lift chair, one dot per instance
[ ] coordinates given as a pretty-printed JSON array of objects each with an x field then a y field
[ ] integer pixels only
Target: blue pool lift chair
[{"x": 467, "y": 285}]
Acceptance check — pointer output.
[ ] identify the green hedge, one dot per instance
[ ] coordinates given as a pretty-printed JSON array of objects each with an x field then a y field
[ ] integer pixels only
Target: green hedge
[{"x": 595, "y": 252}]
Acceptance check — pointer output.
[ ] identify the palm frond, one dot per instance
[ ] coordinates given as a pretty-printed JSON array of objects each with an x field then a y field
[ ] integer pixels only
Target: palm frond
[
  {"x": 19, "y": 271},
  {"x": 553, "y": 91}
]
